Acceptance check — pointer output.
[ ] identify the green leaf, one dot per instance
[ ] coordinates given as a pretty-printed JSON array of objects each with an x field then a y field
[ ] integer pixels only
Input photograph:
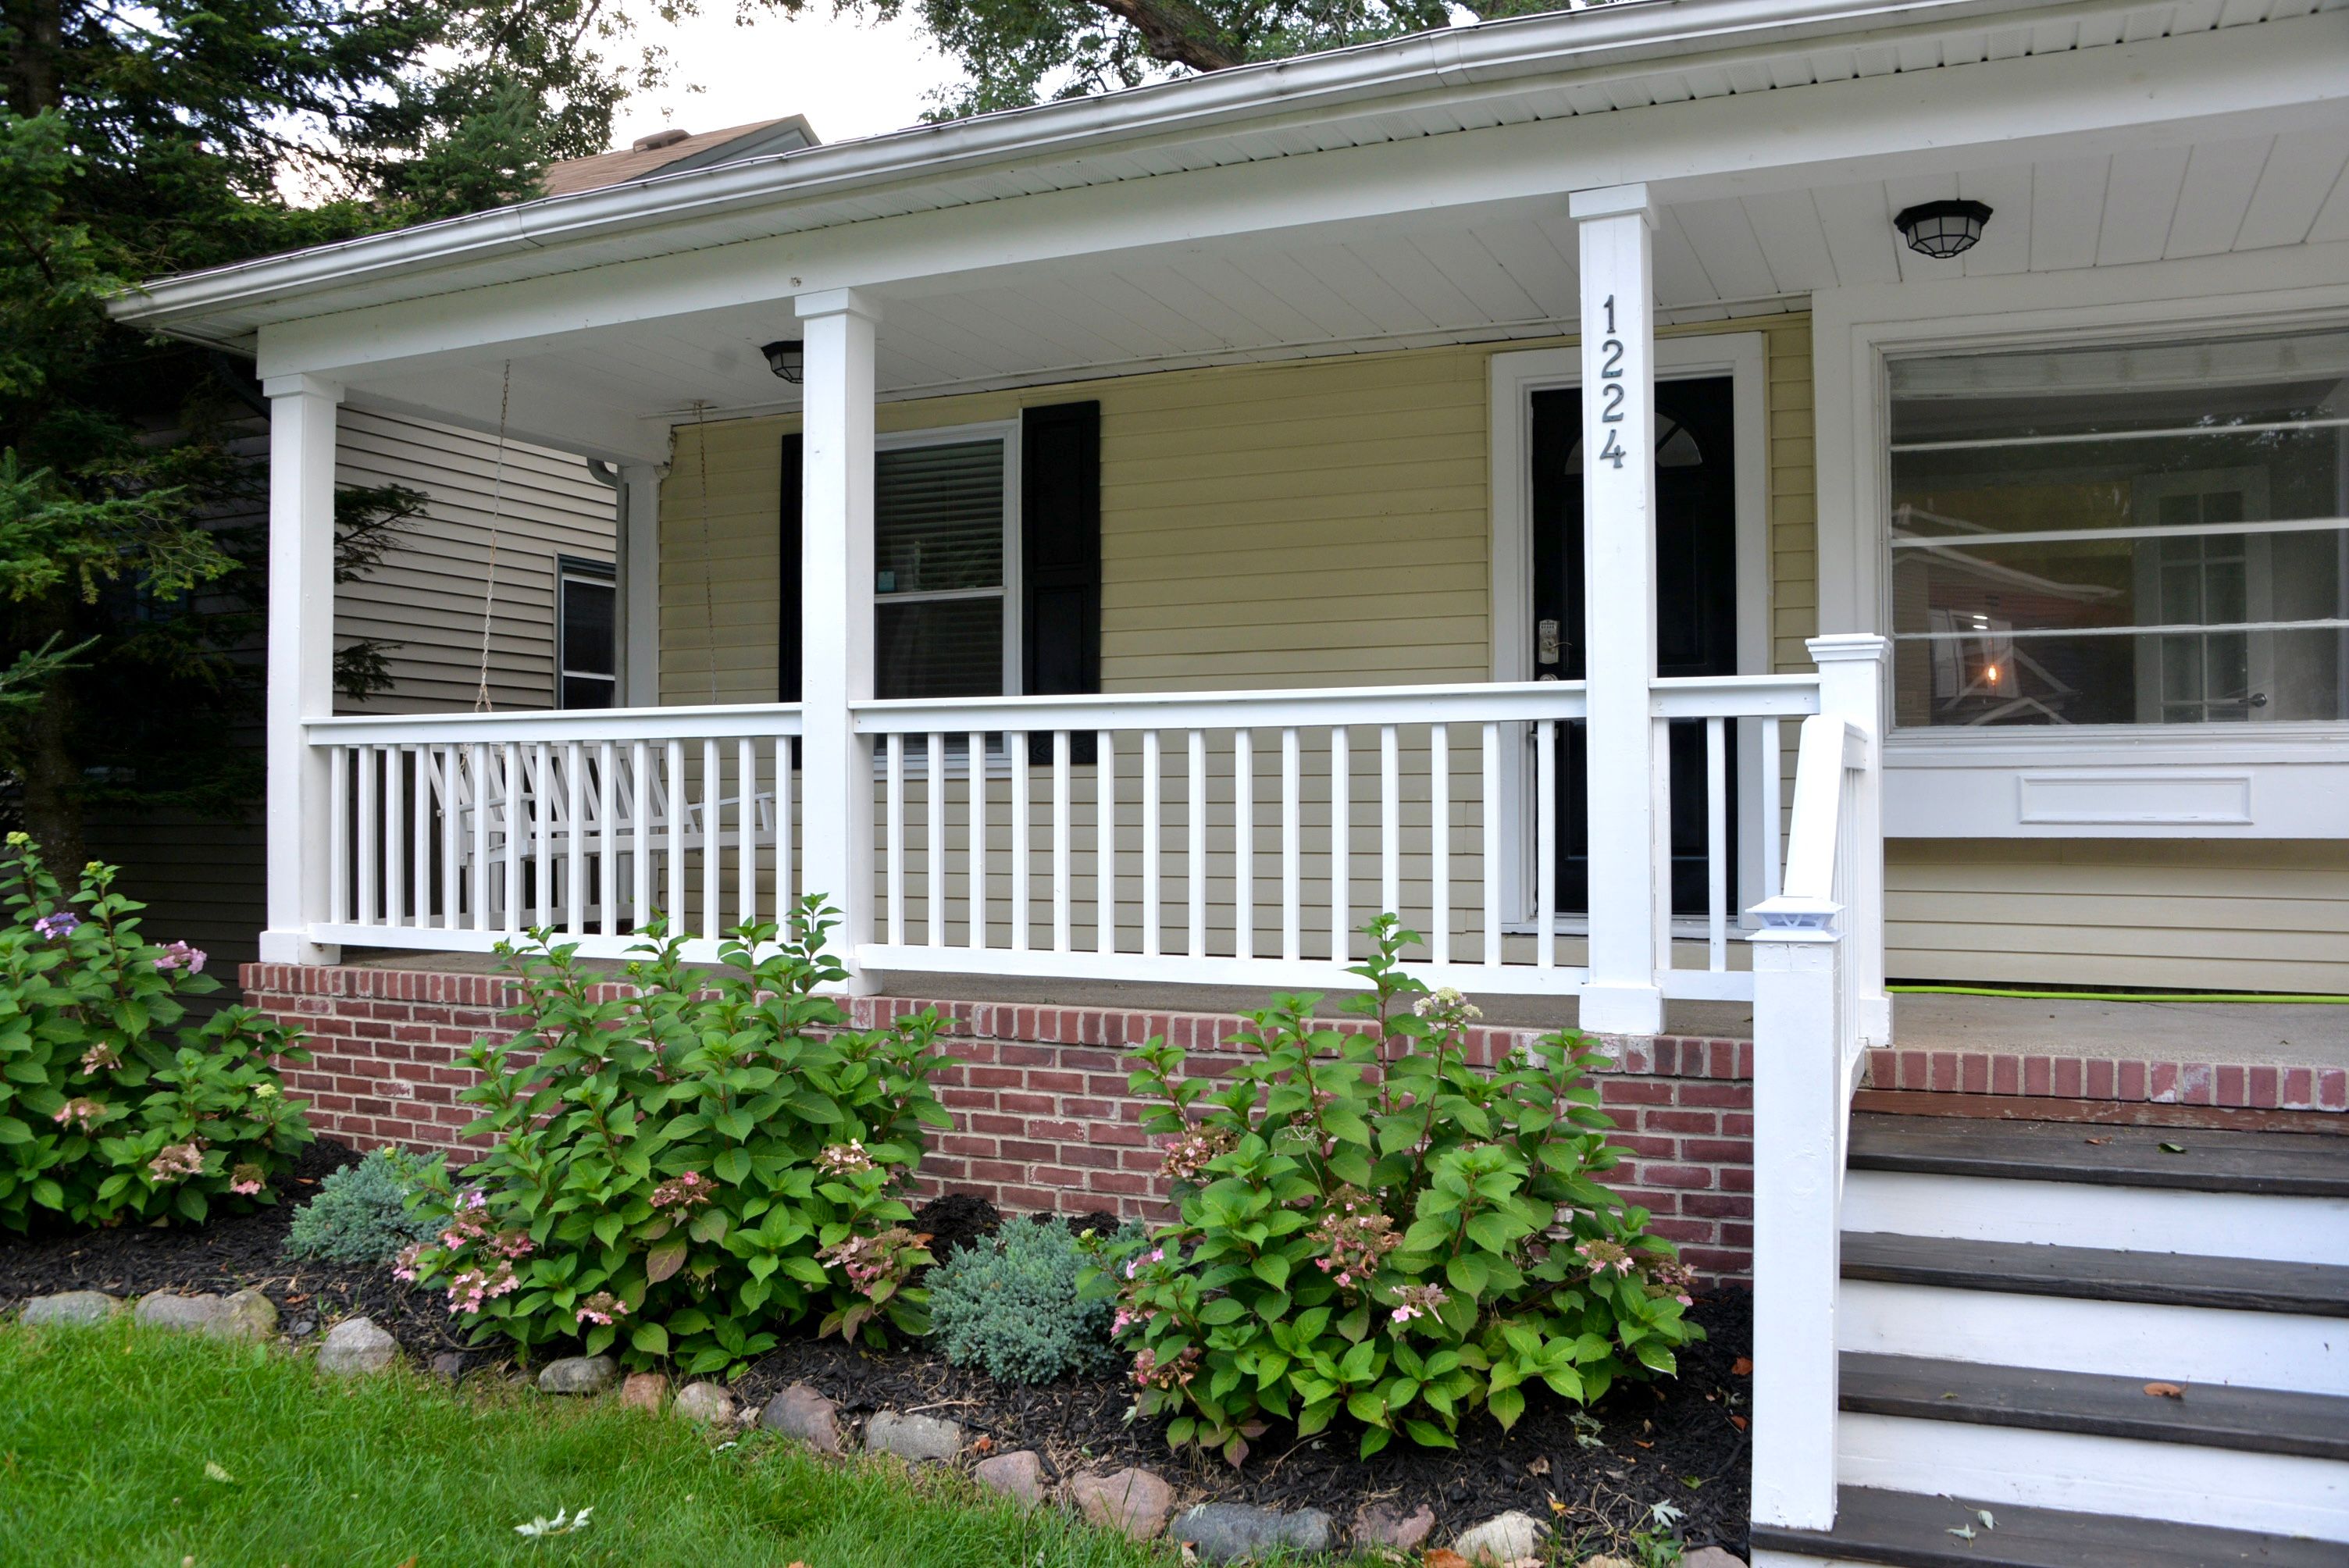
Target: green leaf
[
  {"x": 1223, "y": 1309},
  {"x": 1506, "y": 1405},
  {"x": 1428, "y": 1435},
  {"x": 1491, "y": 1233},
  {"x": 806, "y": 1270},
  {"x": 649, "y": 1337},
  {"x": 1273, "y": 1269},
  {"x": 13, "y": 1131},
  {"x": 663, "y": 1260},
  {"x": 732, "y": 1167}
]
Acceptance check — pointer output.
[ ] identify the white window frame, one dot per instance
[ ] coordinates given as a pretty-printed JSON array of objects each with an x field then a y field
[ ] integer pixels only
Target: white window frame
[
  {"x": 1515, "y": 376},
  {"x": 586, "y": 569},
  {"x": 1006, "y": 431},
  {"x": 2281, "y": 781}
]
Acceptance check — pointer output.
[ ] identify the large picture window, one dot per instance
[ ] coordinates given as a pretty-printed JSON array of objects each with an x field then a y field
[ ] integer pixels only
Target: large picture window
[
  {"x": 2149, "y": 533},
  {"x": 940, "y": 566}
]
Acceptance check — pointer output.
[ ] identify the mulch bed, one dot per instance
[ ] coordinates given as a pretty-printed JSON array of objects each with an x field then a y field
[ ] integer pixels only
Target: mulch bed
[{"x": 1673, "y": 1442}]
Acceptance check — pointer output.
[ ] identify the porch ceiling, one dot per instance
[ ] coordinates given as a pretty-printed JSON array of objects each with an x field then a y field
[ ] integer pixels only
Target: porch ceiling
[{"x": 1501, "y": 271}]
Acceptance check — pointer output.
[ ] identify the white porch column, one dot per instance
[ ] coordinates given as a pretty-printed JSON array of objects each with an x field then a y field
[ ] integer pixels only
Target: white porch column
[
  {"x": 638, "y": 554},
  {"x": 1630, "y": 858},
  {"x": 301, "y": 662},
  {"x": 836, "y": 609},
  {"x": 1852, "y": 687},
  {"x": 1798, "y": 1120}
]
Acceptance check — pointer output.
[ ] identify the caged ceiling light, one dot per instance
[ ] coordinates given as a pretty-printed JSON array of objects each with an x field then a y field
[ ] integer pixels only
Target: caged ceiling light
[
  {"x": 787, "y": 358},
  {"x": 1943, "y": 228}
]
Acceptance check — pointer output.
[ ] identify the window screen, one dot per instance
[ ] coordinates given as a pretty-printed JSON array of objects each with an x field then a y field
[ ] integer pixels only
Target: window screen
[
  {"x": 2142, "y": 534},
  {"x": 589, "y": 665},
  {"x": 938, "y": 562}
]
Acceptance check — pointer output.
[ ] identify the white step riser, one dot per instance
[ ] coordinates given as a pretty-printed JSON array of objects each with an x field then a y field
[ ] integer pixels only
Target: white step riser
[
  {"x": 2282, "y": 1494},
  {"x": 2077, "y": 1214},
  {"x": 2129, "y": 1340},
  {"x": 1765, "y": 1558}
]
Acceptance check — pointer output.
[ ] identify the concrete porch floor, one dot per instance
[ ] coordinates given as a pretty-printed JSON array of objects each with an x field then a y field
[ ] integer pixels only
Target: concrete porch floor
[{"x": 2246, "y": 1034}]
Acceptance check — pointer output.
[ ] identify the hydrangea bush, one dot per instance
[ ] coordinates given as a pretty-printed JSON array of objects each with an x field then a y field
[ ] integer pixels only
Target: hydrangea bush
[
  {"x": 1372, "y": 1224},
  {"x": 110, "y": 1112},
  {"x": 675, "y": 1173}
]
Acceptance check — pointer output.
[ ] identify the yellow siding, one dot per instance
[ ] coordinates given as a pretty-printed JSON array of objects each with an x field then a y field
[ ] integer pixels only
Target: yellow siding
[{"x": 2248, "y": 915}]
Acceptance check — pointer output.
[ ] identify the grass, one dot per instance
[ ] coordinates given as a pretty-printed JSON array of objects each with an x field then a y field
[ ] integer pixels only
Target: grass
[{"x": 110, "y": 1440}]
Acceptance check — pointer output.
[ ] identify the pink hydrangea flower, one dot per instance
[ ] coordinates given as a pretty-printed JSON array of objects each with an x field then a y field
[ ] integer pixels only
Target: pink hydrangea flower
[
  {"x": 177, "y": 1160},
  {"x": 59, "y": 923},
  {"x": 245, "y": 1181},
  {"x": 80, "y": 1114},
  {"x": 602, "y": 1308},
  {"x": 180, "y": 956}
]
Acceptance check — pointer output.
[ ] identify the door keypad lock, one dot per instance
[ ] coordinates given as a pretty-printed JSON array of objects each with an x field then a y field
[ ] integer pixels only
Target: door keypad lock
[{"x": 1546, "y": 643}]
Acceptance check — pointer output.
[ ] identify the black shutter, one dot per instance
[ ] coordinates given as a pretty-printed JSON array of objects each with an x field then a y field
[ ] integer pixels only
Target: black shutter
[
  {"x": 1059, "y": 559},
  {"x": 787, "y": 620}
]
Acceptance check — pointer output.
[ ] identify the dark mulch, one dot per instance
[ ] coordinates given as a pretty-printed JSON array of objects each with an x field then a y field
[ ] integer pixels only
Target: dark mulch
[
  {"x": 229, "y": 1254},
  {"x": 1651, "y": 1442}
]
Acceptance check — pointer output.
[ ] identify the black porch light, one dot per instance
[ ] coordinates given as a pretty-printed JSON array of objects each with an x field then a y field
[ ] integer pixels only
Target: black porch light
[
  {"x": 787, "y": 358},
  {"x": 1943, "y": 228}
]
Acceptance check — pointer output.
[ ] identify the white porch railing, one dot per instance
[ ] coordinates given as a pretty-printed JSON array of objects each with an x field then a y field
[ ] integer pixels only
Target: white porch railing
[
  {"x": 1238, "y": 839},
  {"x": 1812, "y": 1022}
]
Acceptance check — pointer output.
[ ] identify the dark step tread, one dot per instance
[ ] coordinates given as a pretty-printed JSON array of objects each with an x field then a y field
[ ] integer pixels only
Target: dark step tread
[
  {"x": 2279, "y": 1164},
  {"x": 1908, "y": 1530},
  {"x": 2096, "y": 1274},
  {"x": 2204, "y": 1415}
]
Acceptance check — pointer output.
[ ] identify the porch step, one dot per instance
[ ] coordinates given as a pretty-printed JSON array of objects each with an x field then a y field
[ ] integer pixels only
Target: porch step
[
  {"x": 2097, "y": 1274},
  {"x": 1908, "y": 1530},
  {"x": 2210, "y": 1416},
  {"x": 2272, "y": 1165}
]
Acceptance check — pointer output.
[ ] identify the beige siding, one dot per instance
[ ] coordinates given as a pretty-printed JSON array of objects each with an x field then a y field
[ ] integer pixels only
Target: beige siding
[
  {"x": 487, "y": 539},
  {"x": 2238, "y": 915}
]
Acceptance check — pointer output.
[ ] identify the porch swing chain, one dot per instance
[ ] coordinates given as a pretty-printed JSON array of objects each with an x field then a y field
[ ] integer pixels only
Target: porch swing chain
[{"x": 497, "y": 500}]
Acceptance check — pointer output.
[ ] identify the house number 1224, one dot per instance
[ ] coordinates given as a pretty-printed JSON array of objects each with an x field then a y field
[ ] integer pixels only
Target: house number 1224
[{"x": 1611, "y": 390}]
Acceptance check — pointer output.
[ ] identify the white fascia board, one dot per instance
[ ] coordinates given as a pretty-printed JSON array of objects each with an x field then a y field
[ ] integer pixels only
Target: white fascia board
[
  {"x": 2074, "y": 104},
  {"x": 1440, "y": 66}
]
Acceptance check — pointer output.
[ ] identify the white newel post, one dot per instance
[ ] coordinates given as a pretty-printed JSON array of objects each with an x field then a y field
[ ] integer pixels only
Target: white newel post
[
  {"x": 1797, "y": 1251},
  {"x": 836, "y": 610},
  {"x": 639, "y": 557},
  {"x": 1629, "y": 864},
  {"x": 300, "y": 663},
  {"x": 1852, "y": 687}
]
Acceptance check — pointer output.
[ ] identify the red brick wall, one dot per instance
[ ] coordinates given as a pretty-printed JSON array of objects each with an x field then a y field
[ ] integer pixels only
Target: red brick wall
[{"x": 1042, "y": 1121}]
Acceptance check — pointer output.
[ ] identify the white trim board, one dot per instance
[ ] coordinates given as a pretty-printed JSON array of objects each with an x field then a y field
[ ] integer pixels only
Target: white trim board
[
  {"x": 1514, "y": 377},
  {"x": 2285, "y": 781}
]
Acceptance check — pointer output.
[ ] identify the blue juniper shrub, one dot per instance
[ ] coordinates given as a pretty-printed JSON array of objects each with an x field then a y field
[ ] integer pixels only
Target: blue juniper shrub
[
  {"x": 364, "y": 1213},
  {"x": 111, "y": 1110},
  {"x": 675, "y": 1174},
  {"x": 1009, "y": 1304}
]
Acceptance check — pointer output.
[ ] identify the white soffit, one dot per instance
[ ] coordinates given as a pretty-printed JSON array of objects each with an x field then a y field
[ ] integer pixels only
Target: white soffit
[{"x": 1553, "y": 66}]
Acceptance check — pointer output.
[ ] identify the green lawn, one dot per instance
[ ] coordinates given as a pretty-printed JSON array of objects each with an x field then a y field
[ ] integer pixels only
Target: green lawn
[{"x": 109, "y": 1438}]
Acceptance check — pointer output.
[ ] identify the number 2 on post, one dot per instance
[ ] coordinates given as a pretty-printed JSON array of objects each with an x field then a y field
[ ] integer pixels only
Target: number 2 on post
[{"x": 1611, "y": 350}]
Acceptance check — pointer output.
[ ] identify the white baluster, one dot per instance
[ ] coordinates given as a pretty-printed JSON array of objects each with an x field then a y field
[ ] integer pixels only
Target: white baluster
[
  {"x": 640, "y": 832},
  {"x": 786, "y": 834},
  {"x": 1774, "y": 757},
  {"x": 1015, "y": 750},
  {"x": 1546, "y": 842},
  {"x": 607, "y": 880},
  {"x": 394, "y": 823},
  {"x": 478, "y": 793},
  {"x": 419, "y": 840},
  {"x": 1439, "y": 825},
  {"x": 1717, "y": 843},
  {"x": 1104, "y": 842},
  {"x": 1390, "y": 821},
  {"x": 977, "y": 935},
  {"x": 1243, "y": 844},
  {"x": 511, "y": 767},
  {"x": 674, "y": 777},
  {"x": 575, "y": 858},
  {"x": 892, "y": 822},
  {"x": 338, "y": 847},
  {"x": 1292, "y": 836},
  {"x": 452, "y": 822},
  {"x": 363, "y": 758},
  {"x": 1150, "y": 792},
  {"x": 541, "y": 814},
  {"x": 1061, "y": 811},
  {"x": 713, "y": 840},
  {"x": 1197, "y": 868},
  {"x": 933, "y": 846},
  {"x": 1341, "y": 847},
  {"x": 1492, "y": 857}
]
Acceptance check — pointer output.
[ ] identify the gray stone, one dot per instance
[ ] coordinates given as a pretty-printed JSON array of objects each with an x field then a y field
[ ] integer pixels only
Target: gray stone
[
  {"x": 707, "y": 1403},
  {"x": 1019, "y": 1475},
  {"x": 799, "y": 1411},
  {"x": 81, "y": 1307},
  {"x": 247, "y": 1315},
  {"x": 1385, "y": 1524},
  {"x": 577, "y": 1375},
  {"x": 1236, "y": 1532},
  {"x": 1132, "y": 1501},
  {"x": 1508, "y": 1538},
  {"x": 644, "y": 1391},
  {"x": 915, "y": 1438},
  {"x": 355, "y": 1344},
  {"x": 450, "y": 1364},
  {"x": 1712, "y": 1557}
]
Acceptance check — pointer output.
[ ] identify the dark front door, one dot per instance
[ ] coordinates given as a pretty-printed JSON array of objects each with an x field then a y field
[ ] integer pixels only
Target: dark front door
[{"x": 1696, "y": 605}]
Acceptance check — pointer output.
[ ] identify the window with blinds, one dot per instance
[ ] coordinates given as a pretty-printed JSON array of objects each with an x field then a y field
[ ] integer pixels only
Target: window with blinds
[
  {"x": 939, "y": 570},
  {"x": 2149, "y": 533}
]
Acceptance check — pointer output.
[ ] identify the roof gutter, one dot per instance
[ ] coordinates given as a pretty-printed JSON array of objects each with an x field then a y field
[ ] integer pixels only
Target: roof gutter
[{"x": 1486, "y": 53}]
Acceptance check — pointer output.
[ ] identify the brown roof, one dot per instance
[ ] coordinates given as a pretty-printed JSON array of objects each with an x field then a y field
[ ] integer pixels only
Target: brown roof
[{"x": 664, "y": 151}]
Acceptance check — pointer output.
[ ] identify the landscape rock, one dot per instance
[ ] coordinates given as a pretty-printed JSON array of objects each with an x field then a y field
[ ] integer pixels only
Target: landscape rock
[
  {"x": 707, "y": 1403},
  {"x": 1712, "y": 1557},
  {"x": 1134, "y": 1501},
  {"x": 644, "y": 1390},
  {"x": 577, "y": 1375},
  {"x": 353, "y": 1346},
  {"x": 449, "y": 1364},
  {"x": 1236, "y": 1532},
  {"x": 799, "y": 1411},
  {"x": 247, "y": 1315},
  {"x": 1502, "y": 1540},
  {"x": 914, "y": 1439},
  {"x": 81, "y": 1307},
  {"x": 1383, "y": 1525},
  {"x": 1019, "y": 1475}
]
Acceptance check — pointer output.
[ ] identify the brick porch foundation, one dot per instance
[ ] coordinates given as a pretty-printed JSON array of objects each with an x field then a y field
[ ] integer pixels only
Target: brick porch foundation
[{"x": 1042, "y": 1119}]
